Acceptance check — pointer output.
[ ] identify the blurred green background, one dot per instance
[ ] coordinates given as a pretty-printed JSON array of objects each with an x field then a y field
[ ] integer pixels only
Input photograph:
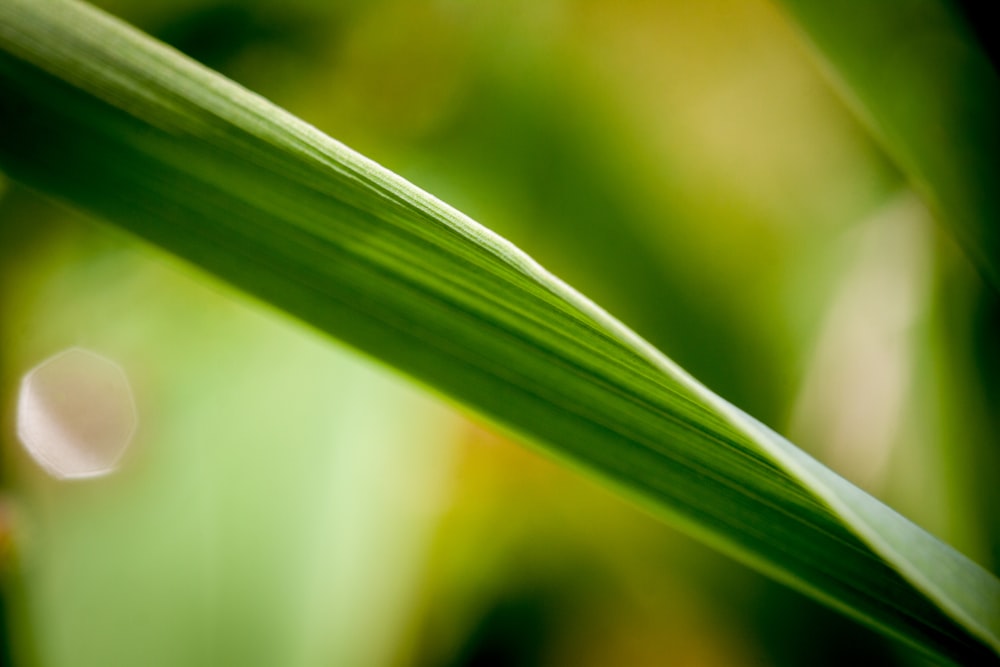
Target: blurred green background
[{"x": 286, "y": 502}]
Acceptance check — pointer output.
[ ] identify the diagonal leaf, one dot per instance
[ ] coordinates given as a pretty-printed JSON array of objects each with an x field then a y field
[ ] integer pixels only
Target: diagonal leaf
[
  {"x": 918, "y": 77},
  {"x": 110, "y": 121}
]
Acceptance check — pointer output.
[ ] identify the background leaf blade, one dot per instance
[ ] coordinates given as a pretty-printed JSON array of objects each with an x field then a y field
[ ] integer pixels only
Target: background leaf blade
[{"x": 914, "y": 72}]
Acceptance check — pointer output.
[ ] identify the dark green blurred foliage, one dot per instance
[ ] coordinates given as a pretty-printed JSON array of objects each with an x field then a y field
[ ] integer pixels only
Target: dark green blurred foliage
[
  {"x": 978, "y": 15},
  {"x": 217, "y": 34},
  {"x": 516, "y": 630}
]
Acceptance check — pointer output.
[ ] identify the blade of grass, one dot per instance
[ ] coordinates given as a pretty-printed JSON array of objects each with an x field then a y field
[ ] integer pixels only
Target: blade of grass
[
  {"x": 110, "y": 121},
  {"x": 918, "y": 77}
]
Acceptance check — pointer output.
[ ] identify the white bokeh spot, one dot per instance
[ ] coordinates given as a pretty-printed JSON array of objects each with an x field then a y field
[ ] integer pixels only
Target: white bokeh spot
[{"x": 76, "y": 414}]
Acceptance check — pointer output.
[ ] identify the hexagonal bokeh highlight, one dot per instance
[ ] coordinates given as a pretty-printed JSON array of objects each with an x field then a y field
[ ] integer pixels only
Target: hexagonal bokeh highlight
[{"x": 76, "y": 415}]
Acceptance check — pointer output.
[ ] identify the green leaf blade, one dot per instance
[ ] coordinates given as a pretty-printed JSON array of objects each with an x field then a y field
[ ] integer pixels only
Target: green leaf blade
[{"x": 111, "y": 122}]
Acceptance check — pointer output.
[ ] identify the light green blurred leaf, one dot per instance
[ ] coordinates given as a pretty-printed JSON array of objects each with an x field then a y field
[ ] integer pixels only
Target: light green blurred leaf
[{"x": 110, "y": 121}]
